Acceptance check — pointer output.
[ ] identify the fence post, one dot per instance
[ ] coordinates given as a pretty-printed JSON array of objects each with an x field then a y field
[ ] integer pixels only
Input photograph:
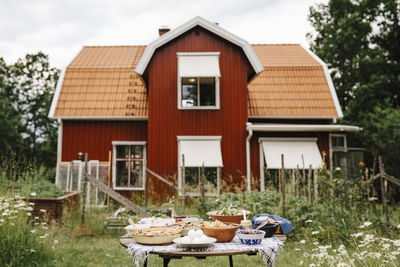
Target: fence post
[
  {"x": 383, "y": 191},
  {"x": 309, "y": 185},
  {"x": 283, "y": 186},
  {"x": 84, "y": 181},
  {"x": 183, "y": 184},
  {"x": 304, "y": 176},
  {"x": 315, "y": 185}
]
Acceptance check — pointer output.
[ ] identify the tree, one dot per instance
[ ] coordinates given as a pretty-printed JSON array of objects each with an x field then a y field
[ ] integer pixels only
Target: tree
[
  {"x": 360, "y": 42},
  {"x": 28, "y": 86}
]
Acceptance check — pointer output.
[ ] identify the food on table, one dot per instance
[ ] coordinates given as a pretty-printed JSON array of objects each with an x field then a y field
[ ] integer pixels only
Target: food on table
[
  {"x": 218, "y": 224},
  {"x": 250, "y": 237},
  {"x": 157, "y": 221},
  {"x": 156, "y": 235},
  {"x": 229, "y": 211}
]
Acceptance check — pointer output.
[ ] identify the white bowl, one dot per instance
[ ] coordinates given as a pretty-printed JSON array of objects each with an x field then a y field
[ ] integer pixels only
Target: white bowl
[{"x": 250, "y": 237}]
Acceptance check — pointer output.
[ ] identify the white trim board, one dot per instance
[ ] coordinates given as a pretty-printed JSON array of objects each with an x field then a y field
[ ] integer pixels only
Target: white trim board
[
  {"x": 212, "y": 27},
  {"x": 329, "y": 80}
]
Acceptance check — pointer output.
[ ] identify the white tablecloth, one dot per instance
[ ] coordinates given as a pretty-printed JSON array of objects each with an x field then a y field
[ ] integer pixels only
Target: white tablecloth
[{"x": 268, "y": 249}]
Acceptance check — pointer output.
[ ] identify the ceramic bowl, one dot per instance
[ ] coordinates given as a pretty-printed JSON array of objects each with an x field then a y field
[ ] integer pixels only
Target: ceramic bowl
[
  {"x": 221, "y": 234},
  {"x": 225, "y": 218},
  {"x": 250, "y": 237}
]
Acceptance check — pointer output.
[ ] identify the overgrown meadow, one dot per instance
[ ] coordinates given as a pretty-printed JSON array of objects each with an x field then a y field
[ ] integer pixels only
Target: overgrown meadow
[{"x": 328, "y": 232}]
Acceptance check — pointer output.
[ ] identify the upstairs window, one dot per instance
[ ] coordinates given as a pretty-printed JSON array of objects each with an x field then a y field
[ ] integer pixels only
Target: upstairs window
[{"x": 198, "y": 80}]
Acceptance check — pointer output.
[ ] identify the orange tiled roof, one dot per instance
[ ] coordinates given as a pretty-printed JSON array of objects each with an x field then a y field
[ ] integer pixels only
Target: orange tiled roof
[
  {"x": 293, "y": 84},
  {"x": 101, "y": 82}
]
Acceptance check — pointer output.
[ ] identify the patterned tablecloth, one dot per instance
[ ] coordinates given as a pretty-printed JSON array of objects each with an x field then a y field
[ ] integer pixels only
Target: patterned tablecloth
[{"x": 268, "y": 249}]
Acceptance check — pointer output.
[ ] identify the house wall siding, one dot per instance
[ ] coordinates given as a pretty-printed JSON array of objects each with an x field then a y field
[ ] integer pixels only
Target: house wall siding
[
  {"x": 95, "y": 137},
  {"x": 166, "y": 122}
]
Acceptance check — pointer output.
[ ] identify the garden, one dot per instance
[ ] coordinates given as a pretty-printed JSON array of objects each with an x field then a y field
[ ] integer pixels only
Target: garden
[{"x": 328, "y": 232}]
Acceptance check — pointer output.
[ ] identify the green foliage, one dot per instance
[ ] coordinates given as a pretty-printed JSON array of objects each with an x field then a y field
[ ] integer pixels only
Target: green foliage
[
  {"x": 26, "y": 91},
  {"x": 20, "y": 244},
  {"x": 360, "y": 42}
]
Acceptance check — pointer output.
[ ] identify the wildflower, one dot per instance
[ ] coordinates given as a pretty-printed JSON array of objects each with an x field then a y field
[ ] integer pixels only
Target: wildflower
[
  {"x": 338, "y": 169},
  {"x": 357, "y": 234},
  {"x": 367, "y": 223},
  {"x": 312, "y": 265},
  {"x": 398, "y": 226},
  {"x": 31, "y": 204},
  {"x": 395, "y": 253},
  {"x": 29, "y": 214},
  {"x": 301, "y": 262},
  {"x": 36, "y": 218},
  {"x": 306, "y": 254},
  {"x": 34, "y": 194},
  {"x": 44, "y": 236},
  {"x": 45, "y": 227},
  {"x": 42, "y": 210},
  {"x": 2, "y": 220},
  {"x": 297, "y": 249},
  {"x": 373, "y": 198},
  {"x": 29, "y": 208},
  {"x": 33, "y": 251},
  {"x": 55, "y": 241},
  {"x": 385, "y": 246},
  {"x": 315, "y": 232},
  {"x": 341, "y": 264},
  {"x": 302, "y": 241},
  {"x": 309, "y": 221},
  {"x": 33, "y": 231},
  {"x": 43, "y": 223},
  {"x": 315, "y": 243}
]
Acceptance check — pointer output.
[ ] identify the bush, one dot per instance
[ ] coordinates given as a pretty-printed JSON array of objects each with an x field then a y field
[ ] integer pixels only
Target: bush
[{"x": 21, "y": 243}]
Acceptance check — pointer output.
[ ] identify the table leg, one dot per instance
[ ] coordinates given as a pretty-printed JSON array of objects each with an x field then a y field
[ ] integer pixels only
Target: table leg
[
  {"x": 145, "y": 262},
  {"x": 166, "y": 261},
  {"x": 230, "y": 261}
]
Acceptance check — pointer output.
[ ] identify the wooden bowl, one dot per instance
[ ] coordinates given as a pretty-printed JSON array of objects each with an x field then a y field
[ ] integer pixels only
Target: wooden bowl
[
  {"x": 227, "y": 219},
  {"x": 221, "y": 234}
]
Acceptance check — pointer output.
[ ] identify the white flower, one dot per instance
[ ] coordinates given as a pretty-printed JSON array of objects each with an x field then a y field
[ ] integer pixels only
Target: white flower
[
  {"x": 312, "y": 265},
  {"x": 309, "y": 221},
  {"x": 29, "y": 214},
  {"x": 395, "y": 253},
  {"x": 31, "y": 204},
  {"x": 33, "y": 194},
  {"x": 45, "y": 227},
  {"x": 315, "y": 232},
  {"x": 44, "y": 236},
  {"x": 301, "y": 263},
  {"x": 367, "y": 223},
  {"x": 373, "y": 198},
  {"x": 42, "y": 210},
  {"x": 29, "y": 208},
  {"x": 302, "y": 241},
  {"x": 55, "y": 241},
  {"x": 357, "y": 234},
  {"x": 385, "y": 246},
  {"x": 33, "y": 251},
  {"x": 362, "y": 226},
  {"x": 297, "y": 249},
  {"x": 398, "y": 226},
  {"x": 315, "y": 243},
  {"x": 36, "y": 218},
  {"x": 341, "y": 264},
  {"x": 33, "y": 231}
]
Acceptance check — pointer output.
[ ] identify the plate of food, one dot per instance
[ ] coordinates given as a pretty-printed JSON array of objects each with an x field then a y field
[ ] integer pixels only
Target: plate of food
[
  {"x": 228, "y": 214},
  {"x": 195, "y": 239}
]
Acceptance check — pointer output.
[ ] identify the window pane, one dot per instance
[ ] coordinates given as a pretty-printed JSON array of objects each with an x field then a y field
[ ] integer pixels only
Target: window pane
[
  {"x": 136, "y": 173},
  {"x": 122, "y": 152},
  {"x": 207, "y": 91},
  {"x": 136, "y": 152},
  {"x": 122, "y": 173},
  {"x": 337, "y": 141},
  {"x": 208, "y": 179},
  {"x": 189, "y": 92}
]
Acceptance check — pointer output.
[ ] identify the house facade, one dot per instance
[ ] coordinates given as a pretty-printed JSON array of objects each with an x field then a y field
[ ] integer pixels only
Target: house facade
[{"x": 200, "y": 107}]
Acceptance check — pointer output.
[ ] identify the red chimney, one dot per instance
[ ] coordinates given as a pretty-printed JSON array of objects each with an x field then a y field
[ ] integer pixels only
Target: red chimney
[{"x": 163, "y": 29}]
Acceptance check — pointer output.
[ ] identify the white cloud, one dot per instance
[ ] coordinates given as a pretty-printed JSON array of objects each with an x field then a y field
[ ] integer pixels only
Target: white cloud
[{"x": 60, "y": 28}]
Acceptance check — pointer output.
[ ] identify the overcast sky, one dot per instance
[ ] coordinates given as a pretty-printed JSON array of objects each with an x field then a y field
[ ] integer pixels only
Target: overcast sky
[{"x": 61, "y": 27}]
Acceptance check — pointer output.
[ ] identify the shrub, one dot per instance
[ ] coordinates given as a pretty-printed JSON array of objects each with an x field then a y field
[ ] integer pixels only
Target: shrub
[{"x": 21, "y": 243}]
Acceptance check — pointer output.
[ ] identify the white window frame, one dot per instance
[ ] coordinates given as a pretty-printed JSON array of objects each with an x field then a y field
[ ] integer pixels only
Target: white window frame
[
  {"x": 217, "y": 87},
  {"x": 337, "y": 149},
  {"x": 180, "y": 176},
  {"x": 114, "y": 165}
]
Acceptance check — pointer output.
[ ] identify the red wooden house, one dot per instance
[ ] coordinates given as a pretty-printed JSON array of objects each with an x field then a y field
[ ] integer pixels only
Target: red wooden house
[{"x": 198, "y": 100}]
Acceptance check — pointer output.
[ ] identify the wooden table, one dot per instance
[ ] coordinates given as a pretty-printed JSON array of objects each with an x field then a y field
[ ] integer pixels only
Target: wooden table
[{"x": 167, "y": 256}]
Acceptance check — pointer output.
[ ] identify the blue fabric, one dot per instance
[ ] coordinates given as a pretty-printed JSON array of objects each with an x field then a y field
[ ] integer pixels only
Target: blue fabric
[{"x": 286, "y": 225}]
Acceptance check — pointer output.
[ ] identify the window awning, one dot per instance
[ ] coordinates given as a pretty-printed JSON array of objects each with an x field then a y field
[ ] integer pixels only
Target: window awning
[
  {"x": 292, "y": 149},
  {"x": 200, "y": 153},
  {"x": 198, "y": 65}
]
